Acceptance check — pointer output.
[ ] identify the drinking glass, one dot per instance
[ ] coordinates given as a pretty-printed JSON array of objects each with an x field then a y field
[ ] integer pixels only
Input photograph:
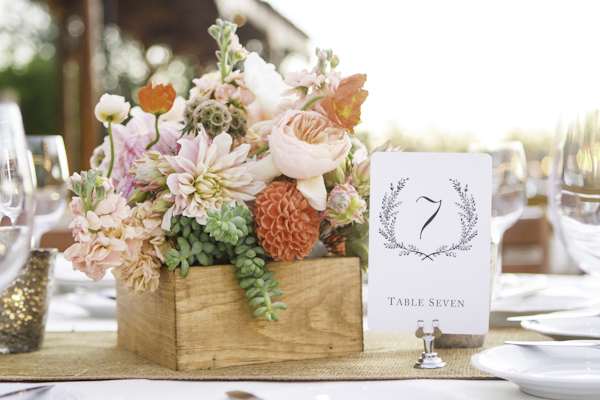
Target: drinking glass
[
  {"x": 51, "y": 174},
  {"x": 574, "y": 186},
  {"x": 17, "y": 201},
  {"x": 509, "y": 196}
]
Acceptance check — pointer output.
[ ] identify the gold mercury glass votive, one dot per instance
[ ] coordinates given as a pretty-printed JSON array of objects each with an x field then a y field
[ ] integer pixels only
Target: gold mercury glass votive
[{"x": 24, "y": 304}]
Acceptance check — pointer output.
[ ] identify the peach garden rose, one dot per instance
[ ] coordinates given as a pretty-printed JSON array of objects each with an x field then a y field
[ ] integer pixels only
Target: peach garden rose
[{"x": 305, "y": 144}]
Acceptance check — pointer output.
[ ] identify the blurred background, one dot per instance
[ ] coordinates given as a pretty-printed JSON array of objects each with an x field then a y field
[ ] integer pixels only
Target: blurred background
[{"x": 441, "y": 74}]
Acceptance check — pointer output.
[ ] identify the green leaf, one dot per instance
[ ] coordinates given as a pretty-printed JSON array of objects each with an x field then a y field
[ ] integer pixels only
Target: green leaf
[
  {"x": 271, "y": 284},
  {"x": 241, "y": 249},
  {"x": 208, "y": 247},
  {"x": 259, "y": 311},
  {"x": 197, "y": 247},
  {"x": 247, "y": 282},
  {"x": 256, "y": 301},
  {"x": 275, "y": 292},
  {"x": 185, "y": 268},
  {"x": 279, "y": 305},
  {"x": 275, "y": 316},
  {"x": 253, "y": 292},
  {"x": 203, "y": 259},
  {"x": 268, "y": 275}
]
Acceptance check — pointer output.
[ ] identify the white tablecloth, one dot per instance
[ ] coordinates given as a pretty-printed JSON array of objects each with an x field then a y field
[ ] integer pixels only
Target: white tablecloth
[
  {"x": 67, "y": 317},
  {"x": 422, "y": 389}
]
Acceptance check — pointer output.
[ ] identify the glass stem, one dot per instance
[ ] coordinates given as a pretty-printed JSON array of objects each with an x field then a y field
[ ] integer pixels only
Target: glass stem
[{"x": 496, "y": 266}]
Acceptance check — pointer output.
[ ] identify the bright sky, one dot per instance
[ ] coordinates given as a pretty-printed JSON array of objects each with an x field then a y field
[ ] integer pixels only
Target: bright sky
[{"x": 483, "y": 67}]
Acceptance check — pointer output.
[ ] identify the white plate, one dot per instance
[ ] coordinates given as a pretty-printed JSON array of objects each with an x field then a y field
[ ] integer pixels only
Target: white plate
[
  {"x": 563, "y": 293},
  {"x": 64, "y": 275},
  {"x": 566, "y": 328},
  {"x": 97, "y": 305},
  {"x": 571, "y": 373}
]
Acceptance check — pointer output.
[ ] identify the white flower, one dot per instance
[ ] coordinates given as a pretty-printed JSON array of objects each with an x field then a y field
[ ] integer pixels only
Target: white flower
[
  {"x": 175, "y": 114},
  {"x": 112, "y": 107},
  {"x": 313, "y": 189},
  {"x": 264, "y": 169},
  {"x": 262, "y": 79},
  {"x": 206, "y": 176}
]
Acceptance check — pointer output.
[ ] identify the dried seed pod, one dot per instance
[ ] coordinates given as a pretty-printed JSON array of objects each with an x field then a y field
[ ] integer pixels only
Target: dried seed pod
[
  {"x": 214, "y": 117},
  {"x": 239, "y": 122}
]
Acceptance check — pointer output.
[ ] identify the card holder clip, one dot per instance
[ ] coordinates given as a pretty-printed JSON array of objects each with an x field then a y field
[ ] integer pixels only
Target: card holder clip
[{"x": 429, "y": 359}]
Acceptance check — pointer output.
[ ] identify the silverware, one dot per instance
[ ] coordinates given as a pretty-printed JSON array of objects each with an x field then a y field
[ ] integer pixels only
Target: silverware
[
  {"x": 564, "y": 343},
  {"x": 28, "y": 390},
  {"x": 584, "y": 312},
  {"x": 238, "y": 394}
]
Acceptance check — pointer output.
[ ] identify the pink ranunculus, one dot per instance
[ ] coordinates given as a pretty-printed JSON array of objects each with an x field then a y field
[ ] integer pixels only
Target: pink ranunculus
[{"x": 305, "y": 144}]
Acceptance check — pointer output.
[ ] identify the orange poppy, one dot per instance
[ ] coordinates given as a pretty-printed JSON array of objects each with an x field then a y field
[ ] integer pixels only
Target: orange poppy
[
  {"x": 157, "y": 99},
  {"x": 343, "y": 107}
]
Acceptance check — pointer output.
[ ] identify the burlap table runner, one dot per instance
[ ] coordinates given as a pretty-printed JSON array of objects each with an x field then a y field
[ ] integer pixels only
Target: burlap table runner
[{"x": 71, "y": 356}]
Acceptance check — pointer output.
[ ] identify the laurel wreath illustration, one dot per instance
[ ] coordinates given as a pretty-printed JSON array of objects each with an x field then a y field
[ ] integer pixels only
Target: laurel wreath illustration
[{"x": 468, "y": 221}]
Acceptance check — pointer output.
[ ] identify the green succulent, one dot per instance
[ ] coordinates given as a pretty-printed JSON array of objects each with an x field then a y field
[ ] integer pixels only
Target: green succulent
[{"x": 228, "y": 237}]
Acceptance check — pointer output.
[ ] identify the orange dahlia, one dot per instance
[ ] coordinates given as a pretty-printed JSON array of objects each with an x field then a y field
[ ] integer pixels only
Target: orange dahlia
[{"x": 286, "y": 225}]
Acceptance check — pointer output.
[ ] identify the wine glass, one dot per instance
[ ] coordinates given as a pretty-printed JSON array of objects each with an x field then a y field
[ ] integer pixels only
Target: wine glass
[
  {"x": 574, "y": 186},
  {"x": 17, "y": 200},
  {"x": 509, "y": 195},
  {"x": 51, "y": 174}
]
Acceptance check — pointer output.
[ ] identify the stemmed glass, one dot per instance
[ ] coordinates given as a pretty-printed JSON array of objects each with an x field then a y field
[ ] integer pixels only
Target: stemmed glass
[
  {"x": 574, "y": 186},
  {"x": 509, "y": 195},
  {"x": 17, "y": 201},
  {"x": 51, "y": 174}
]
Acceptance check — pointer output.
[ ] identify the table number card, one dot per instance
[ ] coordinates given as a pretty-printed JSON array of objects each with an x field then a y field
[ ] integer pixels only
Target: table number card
[{"x": 429, "y": 242}]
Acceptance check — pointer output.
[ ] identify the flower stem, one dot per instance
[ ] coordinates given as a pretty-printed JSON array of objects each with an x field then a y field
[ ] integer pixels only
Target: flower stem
[
  {"x": 152, "y": 143},
  {"x": 223, "y": 66},
  {"x": 260, "y": 151},
  {"x": 112, "y": 148},
  {"x": 308, "y": 103}
]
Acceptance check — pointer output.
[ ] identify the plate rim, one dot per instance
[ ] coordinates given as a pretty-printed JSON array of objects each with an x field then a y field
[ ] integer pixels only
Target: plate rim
[
  {"x": 528, "y": 324},
  {"x": 516, "y": 377}
]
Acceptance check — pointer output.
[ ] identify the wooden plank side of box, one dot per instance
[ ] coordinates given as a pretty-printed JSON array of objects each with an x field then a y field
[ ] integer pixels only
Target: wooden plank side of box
[
  {"x": 215, "y": 327},
  {"x": 147, "y": 322}
]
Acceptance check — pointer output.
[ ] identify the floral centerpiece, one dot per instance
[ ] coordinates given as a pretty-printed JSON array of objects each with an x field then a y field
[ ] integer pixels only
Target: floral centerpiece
[{"x": 250, "y": 168}]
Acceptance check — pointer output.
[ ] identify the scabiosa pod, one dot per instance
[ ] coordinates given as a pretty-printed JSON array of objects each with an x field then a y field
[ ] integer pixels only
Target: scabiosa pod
[{"x": 344, "y": 206}]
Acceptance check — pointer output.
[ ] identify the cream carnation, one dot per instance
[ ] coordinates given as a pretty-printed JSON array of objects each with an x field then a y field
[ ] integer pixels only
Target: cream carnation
[{"x": 139, "y": 273}]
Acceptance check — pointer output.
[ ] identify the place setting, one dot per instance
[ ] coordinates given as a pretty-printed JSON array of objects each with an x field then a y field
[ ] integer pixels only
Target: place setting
[
  {"x": 568, "y": 368},
  {"x": 230, "y": 227}
]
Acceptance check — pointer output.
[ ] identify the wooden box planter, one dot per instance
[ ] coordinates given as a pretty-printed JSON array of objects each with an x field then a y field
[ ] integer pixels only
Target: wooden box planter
[{"x": 203, "y": 321}]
